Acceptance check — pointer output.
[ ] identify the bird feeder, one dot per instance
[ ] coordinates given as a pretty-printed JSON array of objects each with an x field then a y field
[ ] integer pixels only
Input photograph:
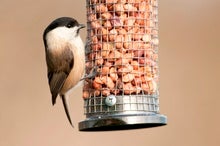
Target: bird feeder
[{"x": 122, "y": 48}]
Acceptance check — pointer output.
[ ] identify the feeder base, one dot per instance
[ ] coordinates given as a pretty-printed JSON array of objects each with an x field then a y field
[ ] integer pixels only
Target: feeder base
[{"x": 122, "y": 122}]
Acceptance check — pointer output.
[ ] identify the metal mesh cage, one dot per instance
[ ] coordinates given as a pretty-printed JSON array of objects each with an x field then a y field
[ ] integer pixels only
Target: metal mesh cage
[{"x": 122, "y": 50}]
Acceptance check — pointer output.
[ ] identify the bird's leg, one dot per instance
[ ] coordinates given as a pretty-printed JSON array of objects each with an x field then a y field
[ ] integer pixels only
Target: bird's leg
[
  {"x": 91, "y": 75},
  {"x": 93, "y": 72},
  {"x": 87, "y": 47}
]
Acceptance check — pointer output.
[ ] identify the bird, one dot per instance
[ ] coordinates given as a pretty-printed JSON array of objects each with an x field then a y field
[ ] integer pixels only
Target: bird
[{"x": 65, "y": 58}]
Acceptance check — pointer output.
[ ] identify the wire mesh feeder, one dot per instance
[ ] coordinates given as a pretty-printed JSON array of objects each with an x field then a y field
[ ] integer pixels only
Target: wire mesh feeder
[{"x": 122, "y": 50}]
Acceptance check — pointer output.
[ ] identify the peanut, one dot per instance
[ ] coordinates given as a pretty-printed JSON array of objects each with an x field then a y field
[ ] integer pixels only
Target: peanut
[
  {"x": 105, "y": 92},
  {"x": 125, "y": 69},
  {"x": 106, "y": 15},
  {"x": 105, "y": 70},
  {"x": 86, "y": 94},
  {"x": 108, "y": 82},
  {"x": 121, "y": 61},
  {"x": 96, "y": 85},
  {"x": 101, "y": 8},
  {"x": 135, "y": 64},
  {"x": 97, "y": 93},
  {"x": 116, "y": 21},
  {"x": 145, "y": 88},
  {"x": 107, "y": 25},
  {"x": 127, "y": 77},
  {"x": 95, "y": 25},
  {"x": 106, "y": 48},
  {"x": 113, "y": 74},
  {"x": 119, "y": 41},
  {"x": 152, "y": 86},
  {"x": 112, "y": 34}
]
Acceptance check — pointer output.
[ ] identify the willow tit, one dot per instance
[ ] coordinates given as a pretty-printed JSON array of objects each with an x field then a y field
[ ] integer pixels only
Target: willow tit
[{"x": 65, "y": 58}]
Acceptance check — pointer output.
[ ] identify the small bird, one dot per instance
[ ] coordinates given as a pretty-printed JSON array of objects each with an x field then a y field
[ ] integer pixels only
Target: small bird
[{"x": 65, "y": 58}]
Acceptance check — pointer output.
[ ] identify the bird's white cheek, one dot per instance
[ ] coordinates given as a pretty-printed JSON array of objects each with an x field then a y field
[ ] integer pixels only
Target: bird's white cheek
[{"x": 58, "y": 36}]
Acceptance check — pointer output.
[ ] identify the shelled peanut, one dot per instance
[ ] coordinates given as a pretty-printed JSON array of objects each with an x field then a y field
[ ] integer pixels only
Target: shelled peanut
[{"x": 123, "y": 43}]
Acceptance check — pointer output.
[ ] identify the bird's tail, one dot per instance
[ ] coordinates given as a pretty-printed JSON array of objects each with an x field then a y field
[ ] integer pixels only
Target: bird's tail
[{"x": 66, "y": 108}]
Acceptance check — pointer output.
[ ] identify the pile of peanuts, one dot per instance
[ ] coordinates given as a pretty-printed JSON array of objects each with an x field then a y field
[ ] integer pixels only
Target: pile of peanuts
[{"x": 122, "y": 45}]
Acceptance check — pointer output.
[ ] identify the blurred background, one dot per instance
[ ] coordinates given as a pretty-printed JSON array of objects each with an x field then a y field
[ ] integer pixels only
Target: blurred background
[{"x": 189, "y": 78}]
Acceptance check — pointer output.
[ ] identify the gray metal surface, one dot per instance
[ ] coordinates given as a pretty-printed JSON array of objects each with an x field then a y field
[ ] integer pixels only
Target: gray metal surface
[{"x": 123, "y": 122}]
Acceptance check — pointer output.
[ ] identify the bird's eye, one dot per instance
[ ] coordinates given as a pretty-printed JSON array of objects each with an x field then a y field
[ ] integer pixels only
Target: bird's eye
[{"x": 69, "y": 25}]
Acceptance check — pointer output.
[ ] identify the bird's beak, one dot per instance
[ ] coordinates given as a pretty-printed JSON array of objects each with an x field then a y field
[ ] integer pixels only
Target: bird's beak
[{"x": 81, "y": 26}]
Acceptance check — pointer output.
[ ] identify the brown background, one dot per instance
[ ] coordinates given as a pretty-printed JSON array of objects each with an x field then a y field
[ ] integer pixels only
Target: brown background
[{"x": 189, "y": 78}]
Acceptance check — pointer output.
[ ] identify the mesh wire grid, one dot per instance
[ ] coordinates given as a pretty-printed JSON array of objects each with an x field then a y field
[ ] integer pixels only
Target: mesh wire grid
[{"x": 122, "y": 45}]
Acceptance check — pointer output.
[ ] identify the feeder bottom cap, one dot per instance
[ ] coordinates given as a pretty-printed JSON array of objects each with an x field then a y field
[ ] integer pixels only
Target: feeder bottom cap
[{"x": 122, "y": 122}]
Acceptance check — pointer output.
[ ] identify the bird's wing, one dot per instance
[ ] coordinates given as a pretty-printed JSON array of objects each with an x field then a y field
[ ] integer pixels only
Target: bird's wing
[{"x": 59, "y": 67}]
